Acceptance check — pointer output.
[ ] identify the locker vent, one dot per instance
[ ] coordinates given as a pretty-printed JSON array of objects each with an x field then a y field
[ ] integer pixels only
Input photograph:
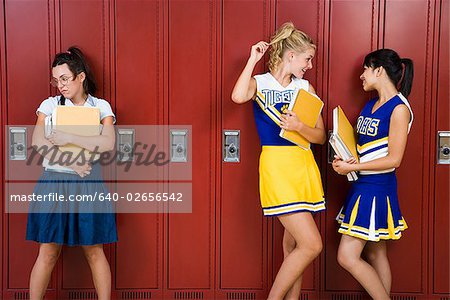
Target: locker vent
[
  {"x": 445, "y": 298},
  {"x": 346, "y": 297},
  {"x": 21, "y": 296},
  {"x": 137, "y": 295},
  {"x": 241, "y": 296},
  {"x": 82, "y": 295},
  {"x": 304, "y": 297},
  {"x": 403, "y": 298},
  {"x": 188, "y": 295}
]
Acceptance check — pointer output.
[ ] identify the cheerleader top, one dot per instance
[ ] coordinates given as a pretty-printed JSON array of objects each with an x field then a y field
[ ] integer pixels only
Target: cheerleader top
[
  {"x": 270, "y": 102},
  {"x": 373, "y": 130}
]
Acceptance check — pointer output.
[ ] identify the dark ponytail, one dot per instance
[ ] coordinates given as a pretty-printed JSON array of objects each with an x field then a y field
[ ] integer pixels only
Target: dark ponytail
[
  {"x": 408, "y": 75},
  {"x": 393, "y": 64},
  {"x": 77, "y": 63}
]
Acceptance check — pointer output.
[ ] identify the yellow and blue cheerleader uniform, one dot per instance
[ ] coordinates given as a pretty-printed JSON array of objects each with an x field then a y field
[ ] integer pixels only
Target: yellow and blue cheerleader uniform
[
  {"x": 289, "y": 179},
  {"x": 371, "y": 210}
]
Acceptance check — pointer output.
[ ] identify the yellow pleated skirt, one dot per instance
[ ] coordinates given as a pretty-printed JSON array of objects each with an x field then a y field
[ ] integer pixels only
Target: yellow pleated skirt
[{"x": 289, "y": 181}]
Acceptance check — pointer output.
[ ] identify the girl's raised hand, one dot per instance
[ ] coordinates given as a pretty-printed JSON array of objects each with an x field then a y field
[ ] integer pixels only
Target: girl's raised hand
[{"x": 258, "y": 50}]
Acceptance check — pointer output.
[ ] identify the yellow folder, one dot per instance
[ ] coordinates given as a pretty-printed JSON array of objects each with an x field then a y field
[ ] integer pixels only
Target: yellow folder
[
  {"x": 307, "y": 107},
  {"x": 79, "y": 120},
  {"x": 343, "y": 130},
  {"x": 343, "y": 139}
]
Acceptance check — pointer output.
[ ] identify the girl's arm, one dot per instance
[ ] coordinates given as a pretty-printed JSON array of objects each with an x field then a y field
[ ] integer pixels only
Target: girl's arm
[
  {"x": 316, "y": 135},
  {"x": 398, "y": 134},
  {"x": 245, "y": 87},
  {"x": 99, "y": 143},
  {"x": 48, "y": 150}
]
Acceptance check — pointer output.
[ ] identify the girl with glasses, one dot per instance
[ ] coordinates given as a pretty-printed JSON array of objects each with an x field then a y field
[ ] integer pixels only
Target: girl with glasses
[{"x": 55, "y": 224}]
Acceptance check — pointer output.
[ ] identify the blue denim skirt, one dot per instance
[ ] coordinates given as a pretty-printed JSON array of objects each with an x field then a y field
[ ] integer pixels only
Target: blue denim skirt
[{"x": 72, "y": 221}]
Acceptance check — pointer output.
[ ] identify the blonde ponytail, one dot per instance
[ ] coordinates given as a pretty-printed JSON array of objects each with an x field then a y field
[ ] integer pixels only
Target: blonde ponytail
[{"x": 287, "y": 37}]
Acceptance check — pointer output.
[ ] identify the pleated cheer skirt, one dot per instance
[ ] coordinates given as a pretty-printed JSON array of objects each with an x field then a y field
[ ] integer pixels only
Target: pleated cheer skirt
[
  {"x": 289, "y": 181},
  {"x": 72, "y": 222},
  {"x": 371, "y": 210}
]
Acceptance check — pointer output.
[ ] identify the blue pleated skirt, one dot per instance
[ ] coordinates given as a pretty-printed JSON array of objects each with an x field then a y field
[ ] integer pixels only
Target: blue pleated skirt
[
  {"x": 73, "y": 222},
  {"x": 371, "y": 210}
]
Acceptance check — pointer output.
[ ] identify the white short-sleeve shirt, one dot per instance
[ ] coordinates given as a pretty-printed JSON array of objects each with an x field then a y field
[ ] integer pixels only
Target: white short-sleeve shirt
[{"x": 48, "y": 105}]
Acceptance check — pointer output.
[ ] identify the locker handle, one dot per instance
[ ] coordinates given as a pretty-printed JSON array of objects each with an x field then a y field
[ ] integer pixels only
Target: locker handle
[
  {"x": 17, "y": 143},
  {"x": 178, "y": 145},
  {"x": 231, "y": 145},
  {"x": 443, "y": 147},
  {"x": 125, "y": 142}
]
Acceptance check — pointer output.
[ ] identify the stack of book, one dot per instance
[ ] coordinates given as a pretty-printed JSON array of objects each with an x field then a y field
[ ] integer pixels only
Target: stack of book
[
  {"x": 79, "y": 120},
  {"x": 343, "y": 139}
]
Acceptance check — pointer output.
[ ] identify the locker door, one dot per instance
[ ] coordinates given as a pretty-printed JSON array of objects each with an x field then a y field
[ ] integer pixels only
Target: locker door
[
  {"x": 191, "y": 101},
  {"x": 441, "y": 225},
  {"x": 243, "y": 257},
  {"x": 26, "y": 81},
  {"x": 343, "y": 88},
  {"x": 85, "y": 26},
  {"x": 2, "y": 135},
  {"x": 137, "y": 83},
  {"x": 411, "y": 248},
  {"x": 313, "y": 26}
]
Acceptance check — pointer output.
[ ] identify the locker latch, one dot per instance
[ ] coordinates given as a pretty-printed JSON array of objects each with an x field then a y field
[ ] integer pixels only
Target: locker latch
[
  {"x": 17, "y": 143},
  {"x": 125, "y": 142},
  {"x": 231, "y": 145},
  {"x": 443, "y": 144},
  {"x": 178, "y": 145}
]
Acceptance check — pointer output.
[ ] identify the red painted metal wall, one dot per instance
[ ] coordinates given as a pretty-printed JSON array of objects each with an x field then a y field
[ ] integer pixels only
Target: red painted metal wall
[{"x": 175, "y": 62}]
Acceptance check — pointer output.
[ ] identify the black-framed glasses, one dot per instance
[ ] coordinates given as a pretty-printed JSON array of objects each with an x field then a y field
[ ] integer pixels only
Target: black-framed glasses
[{"x": 63, "y": 79}]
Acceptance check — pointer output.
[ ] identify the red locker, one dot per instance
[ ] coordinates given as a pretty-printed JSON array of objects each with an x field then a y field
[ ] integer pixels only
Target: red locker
[
  {"x": 191, "y": 94},
  {"x": 343, "y": 66},
  {"x": 92, "y": 37},
  {"x": 26, "y": 82},
  {"x": 411, "y": 191},
  {"x": 440, "y": 198},
  {"x": 137, "y": 82},
  {"x": 291, "y": 11},
  {"x": 242, "y": 258}
]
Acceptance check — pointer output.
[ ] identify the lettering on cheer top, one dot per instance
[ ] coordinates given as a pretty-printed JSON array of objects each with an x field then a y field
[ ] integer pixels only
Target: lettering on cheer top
[
  {"x": 273, "y": 97},
  {"x": 367, "y": 126}
]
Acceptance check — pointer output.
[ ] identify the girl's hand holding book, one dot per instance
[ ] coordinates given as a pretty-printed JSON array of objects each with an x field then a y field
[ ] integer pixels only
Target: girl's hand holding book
[
  {"x": 59, "y": 138},
  {"x": 343, "y": 167},
  {"x": 290, "y": 121}
]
